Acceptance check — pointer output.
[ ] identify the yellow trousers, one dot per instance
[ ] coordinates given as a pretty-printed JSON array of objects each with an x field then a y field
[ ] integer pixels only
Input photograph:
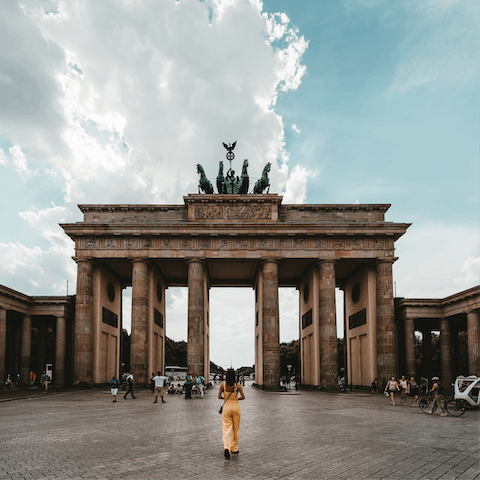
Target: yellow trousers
[{"x": 231, "y": 425}]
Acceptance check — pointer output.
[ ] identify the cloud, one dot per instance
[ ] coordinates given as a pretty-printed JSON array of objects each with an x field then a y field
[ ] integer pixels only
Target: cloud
[
  {"x": 119, "y": 101},
  {"x": 436, "y": 260},
  {"x": 470, "y": 273},
  {"x": 296, "y": 129}
]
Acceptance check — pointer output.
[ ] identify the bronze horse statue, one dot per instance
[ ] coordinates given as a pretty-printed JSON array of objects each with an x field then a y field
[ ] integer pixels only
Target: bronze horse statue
[
  {"x": 203, "y": 184},
  {"x": 244, "y": 180},
  {"x": 262, "y": 183},
  {"x": 221, "y": 188}
]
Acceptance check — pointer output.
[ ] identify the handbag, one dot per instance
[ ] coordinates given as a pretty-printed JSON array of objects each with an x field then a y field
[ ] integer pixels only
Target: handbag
[{"x": 221, "y": 408}]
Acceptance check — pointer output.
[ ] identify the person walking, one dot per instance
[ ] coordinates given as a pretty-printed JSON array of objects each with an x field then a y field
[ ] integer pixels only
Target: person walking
[
  {"x": 375, "y": 386},
  {"x": 159, "y": 381},
  {"x": 199, "y": 380},
  {"x": 423, "y": 385},
  {"x": 438, "y": 390},
  {"x": 188, "y": 385},
  {"x": 403, "y": 384},
  {"x": 45, "y": 381},
  {"x": 413, "y": 390},
  {"x": 229, "y": 391},
  {"x": 392, "y": 387},
  {"x": 114, "y": 383},
  {"x": 130, "y": 384}
]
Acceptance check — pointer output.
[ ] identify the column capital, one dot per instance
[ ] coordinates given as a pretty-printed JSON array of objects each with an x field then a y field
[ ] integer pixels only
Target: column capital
[
  {"x": 391, "y": 260},
  {"x": 196, "y": 260},
  {"x": 265, "y": 260},
  {"x": 84, "y": 260},
  {"x": 140, "y": 260},
  {"x": 322, "y": 261}
]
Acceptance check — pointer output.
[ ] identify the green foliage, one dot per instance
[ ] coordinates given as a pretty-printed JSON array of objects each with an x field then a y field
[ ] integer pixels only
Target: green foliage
[{"x": 175, "y": 352}]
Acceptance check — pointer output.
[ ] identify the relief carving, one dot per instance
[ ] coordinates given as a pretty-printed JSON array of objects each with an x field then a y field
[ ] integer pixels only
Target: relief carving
[
  {"x": 129, "y": 243},
  {"x": 280, "y": 243},
  {"x": 205, "y": 243},
  {"x": 357, "y": 243},
  {"x": 110, "y": 243},
  {"x": 339, "y": 243},
  {"x": 320, "y": 243},
  {"x": 262, "y": 243},
  {"x": 242, "y": 243},
  {"x": 237, "y": 212},
  {"x": 166, "y": 242},
  {"x": 91, "y": 242},
  {"x": 377, "y": 243},
  {"x": 147, "y": 242},
  {"x": 299, "y": 242},
  {"x": 222, "y": 243},
  {"x": 186, "y": 243}
]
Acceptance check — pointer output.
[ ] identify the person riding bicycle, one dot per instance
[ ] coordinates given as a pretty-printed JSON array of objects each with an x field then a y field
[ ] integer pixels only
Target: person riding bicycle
[{"x": 437, "y": 390}]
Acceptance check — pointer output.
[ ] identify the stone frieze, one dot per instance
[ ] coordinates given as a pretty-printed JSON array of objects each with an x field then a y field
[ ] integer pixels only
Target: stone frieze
[
  {"x": 292, "y": 243},
  {"x": 233, "y": 212}
]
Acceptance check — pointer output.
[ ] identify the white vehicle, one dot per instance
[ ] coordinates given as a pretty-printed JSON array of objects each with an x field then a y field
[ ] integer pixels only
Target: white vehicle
[{"x": 467, "y": 389}]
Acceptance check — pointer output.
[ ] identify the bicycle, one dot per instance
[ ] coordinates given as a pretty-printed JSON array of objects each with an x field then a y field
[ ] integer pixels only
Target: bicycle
[{"x": 425, "y": 402}]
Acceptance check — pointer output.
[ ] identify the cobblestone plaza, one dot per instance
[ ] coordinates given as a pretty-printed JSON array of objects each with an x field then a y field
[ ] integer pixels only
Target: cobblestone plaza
[{"x": 305, "y": 434}]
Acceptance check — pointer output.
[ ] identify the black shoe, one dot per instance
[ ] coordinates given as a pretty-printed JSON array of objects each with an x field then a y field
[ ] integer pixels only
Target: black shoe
[
  {"x": 236, "y": 451},
  {"x": 163, "y": 401},
  {"x": 134, "y": 397},
  {"x": 227, "y": 454},
  {"x": 155, "y": 401},
  {"x": 124, "y": 398}
]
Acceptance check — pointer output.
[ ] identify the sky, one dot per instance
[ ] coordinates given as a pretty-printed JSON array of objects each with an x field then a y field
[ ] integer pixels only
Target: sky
[{"x": 352, "y": 101}]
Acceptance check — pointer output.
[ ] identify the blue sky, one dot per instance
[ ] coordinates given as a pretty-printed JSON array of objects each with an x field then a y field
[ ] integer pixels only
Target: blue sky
[{"x": 368, "y": 101}]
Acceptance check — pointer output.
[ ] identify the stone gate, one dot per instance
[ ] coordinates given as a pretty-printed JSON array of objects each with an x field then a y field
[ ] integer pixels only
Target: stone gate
[{"x": 236, "y": 240}]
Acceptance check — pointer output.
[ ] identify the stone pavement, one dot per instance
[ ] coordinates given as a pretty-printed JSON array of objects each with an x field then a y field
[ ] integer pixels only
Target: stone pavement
[{"x": 83, "y": 435}]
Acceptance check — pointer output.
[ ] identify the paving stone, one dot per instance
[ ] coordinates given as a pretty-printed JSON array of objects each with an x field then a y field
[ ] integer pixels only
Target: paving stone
[{"x": 83, "y": 435}]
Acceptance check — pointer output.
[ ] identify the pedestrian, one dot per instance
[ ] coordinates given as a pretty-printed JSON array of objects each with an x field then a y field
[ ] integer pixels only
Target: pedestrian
[
  {"x": 152, "y": 383},
  {"x": 188, "y": 385},
  {"x": 45, "y": 381},
  {"x": 18, "y": 378},
  {"x": 130, "y": 384},
  {"x": 438, "y": 390},
  {"x": 403, "y": 384},
  {"x": 9, "y": 383},
  {"x": 199, "y": 381},
  {"x": 159, "y": 381},
  {"x": 413, "y": 389},
  {"x": 423, "y": 385},
  {"x": 229, "y": 391},
  {"x": 114, "y": 383},
  {"x": 375, "y": 386},
  {"x": 392, "y": 387}
]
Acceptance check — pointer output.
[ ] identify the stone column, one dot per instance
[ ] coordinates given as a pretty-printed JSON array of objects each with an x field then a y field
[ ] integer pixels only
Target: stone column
[
  {"x": 3, "y": 344},
  {"x": 196, "y": 317},
  {"x": 271, "y": 325},
  {"x": 445, "y": 352},
  {"x": 25, "y": 350},
  {"x": 427, "y": 353},
  {"x": 473, "y": 342},
  {"x": 139, "y": 336},
  {"x": 327, "y": 325},
  {"x": 386, "y": 358},
  {"x": 410, "y": 359},
  {"x": 42, "y": 350},
  {"x": 60, "y": 344},
  {"x": 83, "y": 345}
]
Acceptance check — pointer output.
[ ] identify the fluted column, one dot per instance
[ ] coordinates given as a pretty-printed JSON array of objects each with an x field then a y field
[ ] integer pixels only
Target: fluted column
[
  {"x": 41, "y": 349},
  {"x": 26, "y": 349},
  {"x": 60, "y": 344},
  {"x": 386, "y": 357},
  {"x": 139, "y": 336},
  {"x": 196, "y": 317},
  {"x": 473, "y": 342},
  {"x": 83, "y": 346},
  {"x": 445, "y": 352},
  {"x": 327, "y": 325},
  {"x": 410, "y": 359},
  {"x": 3, "y": 343}
]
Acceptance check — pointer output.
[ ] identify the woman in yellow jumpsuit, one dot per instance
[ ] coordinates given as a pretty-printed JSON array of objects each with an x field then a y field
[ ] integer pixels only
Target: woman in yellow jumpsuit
[{"x": 229, "y": 391}]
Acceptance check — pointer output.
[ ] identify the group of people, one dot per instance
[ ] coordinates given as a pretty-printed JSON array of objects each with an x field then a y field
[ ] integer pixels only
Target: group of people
[
  {"x": 45, "y": 381},
  {"x": 190, "y": 382},
  {"x": 413, "y": 388}
]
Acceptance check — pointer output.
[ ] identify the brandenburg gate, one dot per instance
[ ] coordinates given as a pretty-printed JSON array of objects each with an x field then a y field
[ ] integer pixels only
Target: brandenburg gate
[{"x": 236, "y": 240}]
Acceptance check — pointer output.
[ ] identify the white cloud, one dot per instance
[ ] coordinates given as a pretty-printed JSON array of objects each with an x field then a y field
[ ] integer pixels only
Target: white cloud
[
  {"x": 3, "y": 158},
  {"x": 470, "y": 273},
  {"x": 121, "y": 100},
  {"x": 436, "y": 261},
  {"x": 296, "y": 129}
]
